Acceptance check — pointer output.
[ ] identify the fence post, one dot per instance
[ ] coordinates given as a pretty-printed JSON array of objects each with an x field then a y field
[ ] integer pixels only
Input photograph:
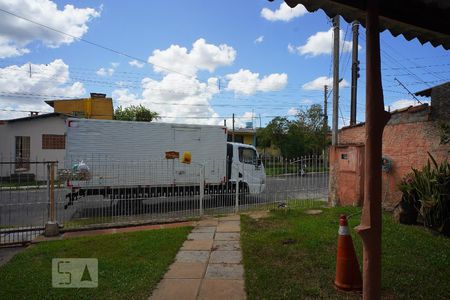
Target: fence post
[
  {"x": 202, "y": 188},
  {"x": 236, "y": 208},
  {"x": 51, "y": 227}
]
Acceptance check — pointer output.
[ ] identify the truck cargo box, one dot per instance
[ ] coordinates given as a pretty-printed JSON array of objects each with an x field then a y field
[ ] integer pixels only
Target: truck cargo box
[{"x": 122, "y": 153}]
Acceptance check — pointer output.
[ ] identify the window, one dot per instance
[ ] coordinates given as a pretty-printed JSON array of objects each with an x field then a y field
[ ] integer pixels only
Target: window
[
  {"x": 53, "y": 141},
  {"x": 247, "y": 156},
  {"x": 22, "y": 153}
]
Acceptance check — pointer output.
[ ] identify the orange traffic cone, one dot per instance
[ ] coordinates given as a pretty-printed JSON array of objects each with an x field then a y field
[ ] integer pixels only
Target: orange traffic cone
[{"x": 348, "y": 274}]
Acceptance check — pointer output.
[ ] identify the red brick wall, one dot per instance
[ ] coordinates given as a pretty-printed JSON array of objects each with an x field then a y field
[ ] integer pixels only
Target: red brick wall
[{"x": 407, "y": 145}]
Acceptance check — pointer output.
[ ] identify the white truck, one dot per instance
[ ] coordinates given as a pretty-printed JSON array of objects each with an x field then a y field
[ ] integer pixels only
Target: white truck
[{"x": 144, "y": 160}]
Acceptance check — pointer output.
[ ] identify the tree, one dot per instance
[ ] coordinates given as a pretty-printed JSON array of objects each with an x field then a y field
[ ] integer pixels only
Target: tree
[
  {"x": 135, "y": 113},
  {"x": 301, "y": 136}
]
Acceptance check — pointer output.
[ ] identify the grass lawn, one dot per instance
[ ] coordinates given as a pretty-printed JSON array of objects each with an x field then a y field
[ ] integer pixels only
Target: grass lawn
[
  {"x": 129, "y": 265},
  {"x": 416, "y": 264}
]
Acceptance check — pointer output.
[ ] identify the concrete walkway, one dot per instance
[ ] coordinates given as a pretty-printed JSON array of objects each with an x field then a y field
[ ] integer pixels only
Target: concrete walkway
[{"x": 208, "y": 266}]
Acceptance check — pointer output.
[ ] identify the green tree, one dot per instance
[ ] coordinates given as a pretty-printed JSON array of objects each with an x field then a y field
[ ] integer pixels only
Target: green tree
[
  {"x": 303, "y": 135},
  {"x": 135, "y": 113}
]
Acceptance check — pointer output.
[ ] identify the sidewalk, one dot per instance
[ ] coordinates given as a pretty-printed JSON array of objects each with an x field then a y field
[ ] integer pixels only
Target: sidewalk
[{"x": 208, "y": 266}]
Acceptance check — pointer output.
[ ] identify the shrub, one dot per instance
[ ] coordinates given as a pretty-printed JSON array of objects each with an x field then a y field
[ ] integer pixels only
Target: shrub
[{"x": 428, "y": 190}]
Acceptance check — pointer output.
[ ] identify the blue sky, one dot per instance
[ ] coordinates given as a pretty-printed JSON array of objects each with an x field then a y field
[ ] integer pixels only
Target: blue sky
[{"x": 234, "y": 41}]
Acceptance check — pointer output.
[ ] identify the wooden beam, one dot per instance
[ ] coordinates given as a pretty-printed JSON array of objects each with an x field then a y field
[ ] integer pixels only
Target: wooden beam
[{"x": 376, "y": 119}]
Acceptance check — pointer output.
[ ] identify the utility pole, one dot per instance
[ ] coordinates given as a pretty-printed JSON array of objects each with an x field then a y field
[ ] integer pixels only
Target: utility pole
[
  {"x": 325, "y": 108},
  {"x": 355, "y": 72},
  {"x": 232, "y": 135},
  {"x": 334, "y": 138}
]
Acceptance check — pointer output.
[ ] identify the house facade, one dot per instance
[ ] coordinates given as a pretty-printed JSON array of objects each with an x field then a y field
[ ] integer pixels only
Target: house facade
[
  {"x": 25, "y": 141},
  {"x": 243, "y": 135}
]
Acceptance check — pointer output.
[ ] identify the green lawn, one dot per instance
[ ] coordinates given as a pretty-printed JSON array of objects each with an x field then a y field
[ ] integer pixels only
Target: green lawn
[
  {"x": 130, "y": 265},
  {"x": 416, "y": 264}
]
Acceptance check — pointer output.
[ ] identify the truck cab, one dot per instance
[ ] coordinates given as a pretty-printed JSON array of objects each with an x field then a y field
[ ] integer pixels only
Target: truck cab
[{"x": 244, "y": 166}]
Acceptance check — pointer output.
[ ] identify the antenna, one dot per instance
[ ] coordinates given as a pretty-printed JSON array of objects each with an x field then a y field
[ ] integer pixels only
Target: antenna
[{"x": 409, "y": 92}]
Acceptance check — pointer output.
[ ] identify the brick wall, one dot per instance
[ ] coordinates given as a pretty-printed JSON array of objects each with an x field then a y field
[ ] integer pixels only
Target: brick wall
[{"x": 406, "y": 141}]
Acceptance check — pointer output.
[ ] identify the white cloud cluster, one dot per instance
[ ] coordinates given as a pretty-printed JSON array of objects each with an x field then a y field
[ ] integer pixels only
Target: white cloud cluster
[
  {"x": 259, "y": 39},
  {"x": 136, "y": 63},
  {"x": 109, "y": 71},
  {"x": 176, "y": 98},
  {"x": 321, "y": 43},
  {"x": 180, "y": 97},
  {"x": 20, "y": 91},
  {"x": 318, "y": 83},
  {"x": 16, "y": 34},
  {"x": 248, "y": 83},
  {"x": 283, "y": 13},
  {"x": 202, "y": 56}
]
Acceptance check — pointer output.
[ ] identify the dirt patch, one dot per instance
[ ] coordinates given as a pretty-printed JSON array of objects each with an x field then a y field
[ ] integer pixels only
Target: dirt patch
[{"x": 258, "y": 214}]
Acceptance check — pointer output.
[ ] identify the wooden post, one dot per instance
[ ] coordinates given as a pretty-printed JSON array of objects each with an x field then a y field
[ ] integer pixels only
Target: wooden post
[{"x": 376, "y": 119}]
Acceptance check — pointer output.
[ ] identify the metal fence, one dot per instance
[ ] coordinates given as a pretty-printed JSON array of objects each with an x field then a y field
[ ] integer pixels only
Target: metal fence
[{"x": 98, "y": 191}]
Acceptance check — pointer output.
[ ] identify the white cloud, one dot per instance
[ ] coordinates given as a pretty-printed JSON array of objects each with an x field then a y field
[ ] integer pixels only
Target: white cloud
[
  {"x": 202, "y": 56},
  {"x": 283, "y": 13},
  {"x": 22, "y": 92},
  {"x": 107, "y": 72},
  {"x": 16, "y": 34},
  {"x": 247, "y": 83},
  {"x": 292, "y": 111},
  {"x": 401, "y": 103},
  {"x": 137, "y": 64},
  {"x": 259, "y": 40},
  {"x": 321, "y": 43},
  {"x": 318, "y": 83}
]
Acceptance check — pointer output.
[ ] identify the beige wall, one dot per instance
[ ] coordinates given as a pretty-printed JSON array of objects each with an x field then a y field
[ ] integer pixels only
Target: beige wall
[{"x": 34, "y": 129}]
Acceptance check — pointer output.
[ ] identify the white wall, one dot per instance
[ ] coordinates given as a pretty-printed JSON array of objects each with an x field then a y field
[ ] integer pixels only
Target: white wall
[{"x": 34, "y": 128}]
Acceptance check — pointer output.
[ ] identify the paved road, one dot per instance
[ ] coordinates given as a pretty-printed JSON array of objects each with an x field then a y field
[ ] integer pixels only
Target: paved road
[{"x": 30, "y": 207}]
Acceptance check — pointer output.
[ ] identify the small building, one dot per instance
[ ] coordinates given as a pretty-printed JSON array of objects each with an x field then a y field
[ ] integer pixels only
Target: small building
[
  {"x": 243, "y": 135},
  {"x": 409, "y": 136},
  {"x": 31, "y": 139},
  {"x": 98, "y": 106}
]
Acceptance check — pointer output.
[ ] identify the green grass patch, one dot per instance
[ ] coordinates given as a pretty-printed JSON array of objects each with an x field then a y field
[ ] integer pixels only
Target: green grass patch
[
  {"x": 129, "y": 265},
  {"x": 416, "y": 264}
]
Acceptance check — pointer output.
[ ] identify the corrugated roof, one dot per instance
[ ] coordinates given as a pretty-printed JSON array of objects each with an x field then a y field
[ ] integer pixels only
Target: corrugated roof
[
  {"x": 426, "y": 20},
  {"x": 427, "y": 92}
]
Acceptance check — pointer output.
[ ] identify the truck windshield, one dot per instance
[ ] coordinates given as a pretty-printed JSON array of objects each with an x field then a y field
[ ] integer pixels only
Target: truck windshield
[{"x": 247, "y": 156}]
